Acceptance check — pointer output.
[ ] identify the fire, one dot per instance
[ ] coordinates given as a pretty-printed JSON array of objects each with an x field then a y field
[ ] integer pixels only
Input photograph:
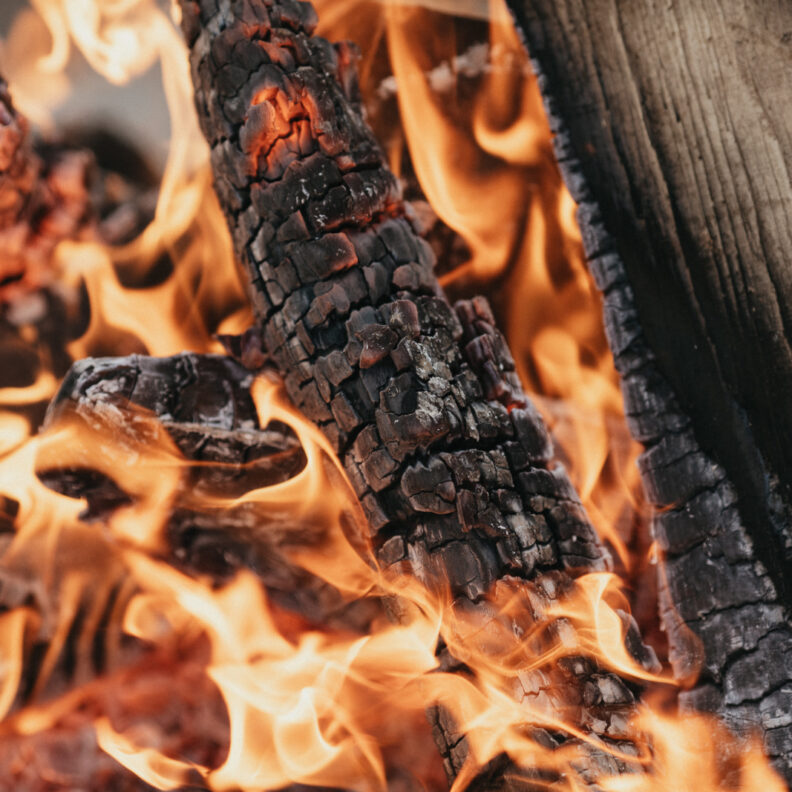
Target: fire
[{"x": 287, "y": 702}]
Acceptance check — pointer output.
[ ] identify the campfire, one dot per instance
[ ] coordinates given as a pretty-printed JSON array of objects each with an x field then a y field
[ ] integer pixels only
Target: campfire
[{"x": 315, "y": 470}]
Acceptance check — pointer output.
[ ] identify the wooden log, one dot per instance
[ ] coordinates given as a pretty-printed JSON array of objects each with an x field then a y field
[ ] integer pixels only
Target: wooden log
[
  {"x": 92, "y": 187},
  {"x": 450, "y": 460},
  {"x": 204, "y": 405},
  {"x": 673, "y": 136}
]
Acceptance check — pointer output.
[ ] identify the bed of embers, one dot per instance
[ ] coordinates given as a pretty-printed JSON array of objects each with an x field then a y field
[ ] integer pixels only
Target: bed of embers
[{"x": 319, "y": 537}]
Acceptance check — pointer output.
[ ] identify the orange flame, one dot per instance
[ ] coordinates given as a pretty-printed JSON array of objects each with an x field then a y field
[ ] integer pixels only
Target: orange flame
[{"x": 489, "y": 172}]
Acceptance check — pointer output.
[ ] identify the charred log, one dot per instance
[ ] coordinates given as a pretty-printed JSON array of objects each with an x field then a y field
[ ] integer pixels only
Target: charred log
[
  {"x": 684, "y": 209},
  {"x": 204, "y": 405},
  {"x": 451, "y": 462},
  {"x": 50, "y": 192},
  {"x": 42, "y": 201}
]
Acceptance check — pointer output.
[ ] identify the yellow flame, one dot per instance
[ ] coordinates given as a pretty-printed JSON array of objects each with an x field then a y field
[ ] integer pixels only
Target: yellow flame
[{"x": 43, "y": 388}]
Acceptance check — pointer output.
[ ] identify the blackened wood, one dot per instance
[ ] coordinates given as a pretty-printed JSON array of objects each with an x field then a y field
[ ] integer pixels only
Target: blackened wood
[
  {"x": 727, "y": 623},
  {"x": 451, "y": 462},
  {"x": 204, "y": 404},
  {"x": 91, "y": 186},
  {"x": 672, "y": 135}
]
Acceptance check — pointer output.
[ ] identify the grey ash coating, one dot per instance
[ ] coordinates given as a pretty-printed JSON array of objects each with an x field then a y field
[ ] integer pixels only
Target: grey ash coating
[{"x": 451, "y": 462}]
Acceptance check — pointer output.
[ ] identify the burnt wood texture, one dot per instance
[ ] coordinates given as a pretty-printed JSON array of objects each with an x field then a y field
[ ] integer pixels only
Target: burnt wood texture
[
  {"x": 204, "y": 405},
  {"x": 673, "y": 132},
  {"x": 451, "y": 462}
]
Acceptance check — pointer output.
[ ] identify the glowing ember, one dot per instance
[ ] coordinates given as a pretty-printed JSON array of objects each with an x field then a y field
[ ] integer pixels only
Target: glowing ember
[{"x": 186, "y": 679}]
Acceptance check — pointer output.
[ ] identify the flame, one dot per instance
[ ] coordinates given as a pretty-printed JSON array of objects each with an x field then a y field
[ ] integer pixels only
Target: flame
[
  {"x": 287, "y": 702},
  {"x": 701, "y": 761},
  {"x": 122, "y": 39},
  {"x": 43, "y": 388}
]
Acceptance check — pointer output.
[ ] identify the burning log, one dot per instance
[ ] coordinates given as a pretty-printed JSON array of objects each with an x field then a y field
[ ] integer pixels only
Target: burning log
[
  {"x": 666, "y": 237},
  {"x": 420, "y": 400},
  {"x": 204, "y": 405},
  {"x": 51, "y": 193},
  {"x": 40, "y": 203}
]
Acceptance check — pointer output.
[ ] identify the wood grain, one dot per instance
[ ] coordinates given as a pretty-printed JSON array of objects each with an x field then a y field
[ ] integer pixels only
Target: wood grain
[{"x": 675, "y": 118}]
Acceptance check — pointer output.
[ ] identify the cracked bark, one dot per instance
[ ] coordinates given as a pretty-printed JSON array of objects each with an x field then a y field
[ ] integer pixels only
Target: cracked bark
[
  {"x": 685, "y": 198},
  {"x": 451, "y": 462},
  {"x": 204, "y": 405}
]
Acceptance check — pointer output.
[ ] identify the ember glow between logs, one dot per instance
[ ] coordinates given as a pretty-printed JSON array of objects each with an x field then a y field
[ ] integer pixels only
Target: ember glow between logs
[{"x": 255, "y": 697}]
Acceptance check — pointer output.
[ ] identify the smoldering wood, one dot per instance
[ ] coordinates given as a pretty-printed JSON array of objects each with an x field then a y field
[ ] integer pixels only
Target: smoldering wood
[
  {"x": 87, "y": 186},
  {"x": 672, "y": 136},
  {"x": 450, "y": 460},
  {"x": 45, "y": 197},
  {"x": 27, "y": 192},
  {"x": 204, "y": 404}
]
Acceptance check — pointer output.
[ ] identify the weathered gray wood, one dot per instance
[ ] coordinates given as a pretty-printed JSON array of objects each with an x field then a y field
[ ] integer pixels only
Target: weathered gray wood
[
  {"x": 673, "y": 131},
  {"x": 674, "y": 120}
]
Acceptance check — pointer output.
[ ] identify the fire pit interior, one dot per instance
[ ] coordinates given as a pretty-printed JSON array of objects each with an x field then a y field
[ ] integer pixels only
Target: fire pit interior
[{"x": 319, "y": 465}]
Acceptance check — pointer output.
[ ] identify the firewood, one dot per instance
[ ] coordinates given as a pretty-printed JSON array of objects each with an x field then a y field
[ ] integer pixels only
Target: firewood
[
  {"x": 700, "y": 392},
  {"x": 450, "y": 460},
  {"x": 204, "y": 405},
  {"x": 55, "y": 191},
  {"x": 89, "y": 187}
]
